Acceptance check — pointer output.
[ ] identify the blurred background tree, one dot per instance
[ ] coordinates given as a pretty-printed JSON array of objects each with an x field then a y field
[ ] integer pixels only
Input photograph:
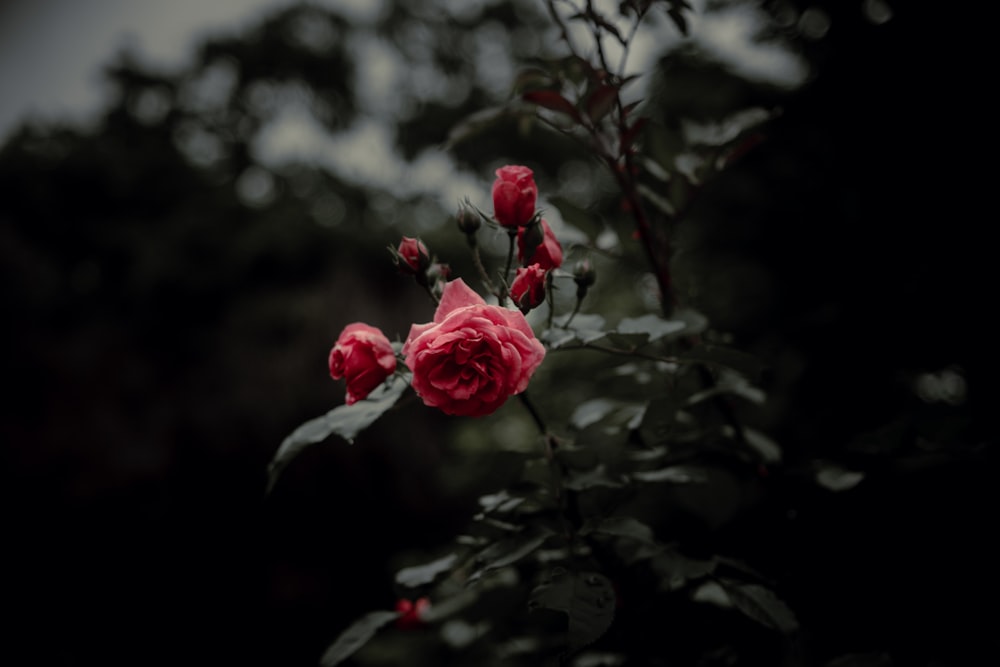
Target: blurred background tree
[{"x": 175, "y": 276}]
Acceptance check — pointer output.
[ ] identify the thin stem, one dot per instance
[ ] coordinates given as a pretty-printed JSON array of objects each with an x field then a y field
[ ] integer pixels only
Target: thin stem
[
  {"x": 549, "y": 293},
  {"x": 551, "y": 443},
  {"x": 628, "y": 42},
  {"x": 512, "y": 233},
  {"x": 557, "y": 19},
  {"x": 576, "y": 309},
  {"x": 597, "y": 30},
  {"x": 478, "y": 261}
]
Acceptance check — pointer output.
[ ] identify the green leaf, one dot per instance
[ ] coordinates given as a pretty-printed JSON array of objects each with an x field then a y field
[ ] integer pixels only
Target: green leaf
[
  {"x": 601, "y": 102},
  {"x": 587, "y": 598},
  {"x": 509, "y": 551},
  {"x": 658, "y": 200},
  {"x": 672, "y": 474},
  {"x": 476, "y": 124},
  {"x": 725, "y": 357},
  {"x": 593, "y": 411},
  {"x": 627, "y": 341},
  {"x": 762, "y": 605},
  {"x": 836, "y": 477},
  {"x": 419, "y": 575},
  {"x": 552, "y": 100},
  {"x": 556, "y": 338},
  {"x": 532, "y": 78},
  {"x": 676, "y": 570},
  {"x": 625, "y": 526},
  {"x": 660, "y": 420},
  {"x": 598, "y": 477},
  {"x": 356, "y": 636},
  {"x": 656, "y": 327},
  {"x": 344, "y": 420}
]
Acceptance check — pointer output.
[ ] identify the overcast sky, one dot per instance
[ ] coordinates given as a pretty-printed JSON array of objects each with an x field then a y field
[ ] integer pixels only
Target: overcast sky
[{"x": 52, "y": 51}]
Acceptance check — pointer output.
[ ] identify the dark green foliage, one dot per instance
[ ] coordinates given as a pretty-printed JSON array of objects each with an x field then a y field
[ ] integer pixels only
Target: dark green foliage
[{"x": 795, "y": 465}]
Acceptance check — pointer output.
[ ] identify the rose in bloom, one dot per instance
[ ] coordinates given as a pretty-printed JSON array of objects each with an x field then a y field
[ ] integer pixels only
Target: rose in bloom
[
  {"x": 548, "y": 253},
  {"x": 528, "y": 288},
  {"x": 473, "y": 356},
  {"x": 412, "y": 256},
  {"x": 364, "y": 356},
  {"x": 411, "y": 613},
  {"x": 514, "y": 196}
]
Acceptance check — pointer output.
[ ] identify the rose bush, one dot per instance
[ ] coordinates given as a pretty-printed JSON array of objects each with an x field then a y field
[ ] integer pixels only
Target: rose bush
[
  {"x": 473, "y": 356},
  {"x": 364, "y": 356},
  {"x": 514, "y": 196}
]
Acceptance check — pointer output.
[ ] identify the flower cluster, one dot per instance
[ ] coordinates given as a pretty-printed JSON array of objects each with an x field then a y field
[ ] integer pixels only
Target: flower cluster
[{"x": 472, "y": 356}]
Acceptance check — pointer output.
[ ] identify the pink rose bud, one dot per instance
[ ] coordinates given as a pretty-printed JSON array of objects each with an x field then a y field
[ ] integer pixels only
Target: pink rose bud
[
  {"x": 528, "y": 289},
  {"x": 412, "y": 256},
  {"x": 546, "y": 251},
  {"x": 411, "y": 613},
  {"x": 514, "y": 196},
  {"x": 364, "y": 356},
  {"x": 473, "y": 356}
]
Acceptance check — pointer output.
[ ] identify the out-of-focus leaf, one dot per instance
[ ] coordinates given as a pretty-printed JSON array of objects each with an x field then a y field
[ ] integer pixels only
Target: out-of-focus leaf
[
  {"x": 657, "y": 200},
  {"x": 532, "y": 78},
  {"x": 768, "y": 450},
  {"x": 651, "y": 324},
  {"x": 725, "y": 131},
  {"x": 344, "y": 420},
  {"x": 725, "y": 357},
  {"x": 509, "y": 551},
  {"x": 672, "y": 474},
  {"x": 659, "y": 420},
  {"x": 419, "y": 575},
  {"x": 625, "y": 526},
  {"x": 627, "y": 341},
  {"x": 632, "y": 133},
  {"x": 591, "y": 479},
  {"x": 476, "y": 124},
  {"x": 836, "y": 477},
  {"x": 879, "y": 659},
  {"x": 677, "y": 16},
  {"x": 556, "y": 338},
  {"x": 587, "y": 598},
  {"x": 600, "y": 103},
  {"x": 762, "y": 605},
  {"x": 676, "y": 570},
  {"x": 592, "y": 411},
  {"x": 356, "y": 636},
  {"x": 550, "y": 99}
]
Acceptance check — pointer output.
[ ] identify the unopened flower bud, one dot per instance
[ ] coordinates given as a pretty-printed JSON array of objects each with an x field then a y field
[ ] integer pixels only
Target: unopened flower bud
[
  {"x": 411, "y": 257},
  {"x": 529, "y": 238},
  {"x": 468, "y": 219},
  {"x": 528, "y": 289},
  {"x": 514, "y": 196},
  {"x": 584, "y": 276},
  {"x": 546, "y": 250}
]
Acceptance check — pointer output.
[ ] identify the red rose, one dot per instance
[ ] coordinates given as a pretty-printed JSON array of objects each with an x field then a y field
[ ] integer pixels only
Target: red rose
[
  {"x": 514, "y": 195},
  {"x": 412, "y": 256},
  {"x": 411, "y": 613},
  {"x": 528, "y": 288},
  {"x": 548, "y": 254},
  {"x": 364, "y": 356},
  {"x": 473, "y": 356}
]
